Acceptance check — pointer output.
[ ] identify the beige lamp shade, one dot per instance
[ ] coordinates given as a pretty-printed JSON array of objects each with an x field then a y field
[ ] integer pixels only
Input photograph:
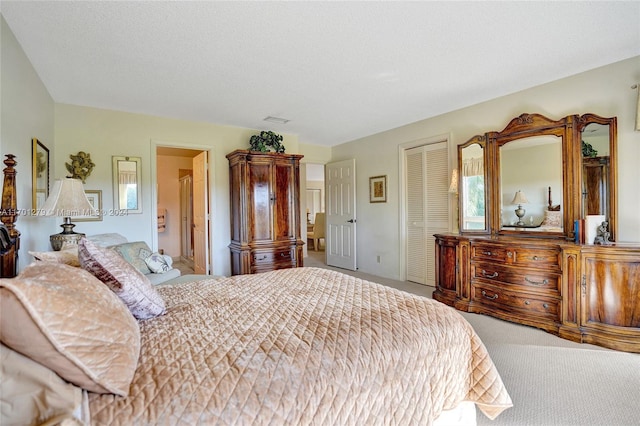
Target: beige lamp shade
[
  {"x": 68, "y": 200},
  {"x": 453, "y": 188},
  {"x": 520, "y": 198}
]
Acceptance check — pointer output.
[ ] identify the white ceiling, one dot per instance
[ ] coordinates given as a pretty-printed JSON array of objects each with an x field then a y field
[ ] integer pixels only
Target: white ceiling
[{"x": 338, "y": 70}]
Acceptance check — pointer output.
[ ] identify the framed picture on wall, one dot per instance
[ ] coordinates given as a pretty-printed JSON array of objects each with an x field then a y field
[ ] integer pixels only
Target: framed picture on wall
[
  {"x": 378, "y": 189},
  {"x": 95, "y": 199}
]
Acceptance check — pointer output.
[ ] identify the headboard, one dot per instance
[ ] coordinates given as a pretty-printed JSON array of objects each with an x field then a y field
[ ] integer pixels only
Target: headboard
[{"x": 8, "y": 216}]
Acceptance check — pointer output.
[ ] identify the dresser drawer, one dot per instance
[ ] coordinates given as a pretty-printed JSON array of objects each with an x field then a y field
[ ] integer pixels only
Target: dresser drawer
[
  {"x": 490, "y": 252},
  {"x": 271, "y": 257},
  {"x": 535, "y": 257},
  {"x": 532, "y": 279},
  {"x": 513, "y": 300}
]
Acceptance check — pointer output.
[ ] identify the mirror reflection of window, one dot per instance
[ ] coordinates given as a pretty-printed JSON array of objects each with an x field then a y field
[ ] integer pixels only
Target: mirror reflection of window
[
  {"x": 127, "y": 181},
  {"x": 473, "y": 188}
]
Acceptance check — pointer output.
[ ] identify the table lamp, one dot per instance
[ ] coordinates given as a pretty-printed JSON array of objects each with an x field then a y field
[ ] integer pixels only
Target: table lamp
[
  {"x": 520, "y": 199},
  {"x": 67, "y": 199}
]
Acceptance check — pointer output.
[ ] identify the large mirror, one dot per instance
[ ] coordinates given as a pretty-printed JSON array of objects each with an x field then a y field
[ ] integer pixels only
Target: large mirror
[
  {"x": 543, "y": 178},
  {"x": 531, "y": 184},
  {"x": 532, "y": 177},
  {"x": 598, "y": 183},
  {"x": 40, "y": 178},
  {"x": 472, "y": 188},
  {"x": 127, "y": 184}
]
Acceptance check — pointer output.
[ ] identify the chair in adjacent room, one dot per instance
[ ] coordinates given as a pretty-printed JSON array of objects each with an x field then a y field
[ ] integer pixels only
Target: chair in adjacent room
[{"x": 318, "y": 231}]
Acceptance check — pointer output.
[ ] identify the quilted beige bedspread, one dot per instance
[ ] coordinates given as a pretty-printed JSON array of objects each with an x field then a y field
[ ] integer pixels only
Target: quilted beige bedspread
[{"x": 302, "y": 346}]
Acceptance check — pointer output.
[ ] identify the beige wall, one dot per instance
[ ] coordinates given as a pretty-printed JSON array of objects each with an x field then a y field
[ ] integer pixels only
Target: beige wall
[
  {"x": 105, "y": 133},
  {"x": 604, "y": 91},
  {"x": 26, "y": 113}
]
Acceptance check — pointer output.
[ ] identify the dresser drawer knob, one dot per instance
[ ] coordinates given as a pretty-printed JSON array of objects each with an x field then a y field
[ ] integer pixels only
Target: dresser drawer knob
[
  {"x": 545, "y": 305},
  {"x": 488, "y": 275},
  {"x": 487, "y": 253},
  {"x": 509, "y": 254},
  {"x": 526, "y": 302},
  {"x": 543, "y": 282},
  {"x": 535, "y": 258},
  {"x": 283, "y": 254},
  {"x": 260, "y": 258},
  {"x": 494, "y": 297}
]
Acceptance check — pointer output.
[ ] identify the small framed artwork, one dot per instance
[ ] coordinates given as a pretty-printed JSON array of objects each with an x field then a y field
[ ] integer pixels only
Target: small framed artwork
[
  {"x": 40, "y": 180},
  {"x": 378, "y": 189},
  {"x": 95, "y": 199}
]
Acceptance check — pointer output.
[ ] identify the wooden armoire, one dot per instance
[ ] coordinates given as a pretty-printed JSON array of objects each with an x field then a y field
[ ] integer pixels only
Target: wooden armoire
[{"x": 265, "y": 211}]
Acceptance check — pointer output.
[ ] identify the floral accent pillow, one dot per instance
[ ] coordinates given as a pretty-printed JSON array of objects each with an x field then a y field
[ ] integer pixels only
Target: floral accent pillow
[
  {"x": 135, "y": 290},
  {"x": 157, "y": 263}
]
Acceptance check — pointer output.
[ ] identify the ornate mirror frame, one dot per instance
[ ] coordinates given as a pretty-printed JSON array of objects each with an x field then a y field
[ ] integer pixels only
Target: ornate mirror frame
[
  {"x": 463, "y": 201},
  {"x": 528, "y": 126},
  {"x": 609, "y": 176},
  {"x": 570, "y": 130}
]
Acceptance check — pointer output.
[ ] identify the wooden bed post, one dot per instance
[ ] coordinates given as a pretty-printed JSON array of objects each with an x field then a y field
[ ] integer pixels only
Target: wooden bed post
[{"x": 8, "y": 216}]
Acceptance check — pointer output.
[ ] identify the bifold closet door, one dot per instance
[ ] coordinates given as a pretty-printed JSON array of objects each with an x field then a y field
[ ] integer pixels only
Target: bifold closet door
[{"x": 427, "y": 208}]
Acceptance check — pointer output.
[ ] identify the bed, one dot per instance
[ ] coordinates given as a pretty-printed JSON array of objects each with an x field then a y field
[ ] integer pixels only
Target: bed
[
  {"x": 300, "y": 346},
  {"x": 99, "y": 344}
]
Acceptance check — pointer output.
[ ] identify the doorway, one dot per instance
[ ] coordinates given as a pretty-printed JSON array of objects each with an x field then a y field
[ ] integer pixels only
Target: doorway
[
  {"x": 314, "y": 203},
  {"x": 178, "y": 234}
]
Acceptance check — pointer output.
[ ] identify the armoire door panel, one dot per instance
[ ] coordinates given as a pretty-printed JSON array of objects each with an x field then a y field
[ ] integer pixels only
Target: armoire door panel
[
  {"x": 260, "y": 195},
  {"x": 282, "y": 207}
]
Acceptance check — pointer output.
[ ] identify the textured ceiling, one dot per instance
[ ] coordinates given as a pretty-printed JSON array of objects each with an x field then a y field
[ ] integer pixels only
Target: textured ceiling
[{"x": 338, "y": 70}]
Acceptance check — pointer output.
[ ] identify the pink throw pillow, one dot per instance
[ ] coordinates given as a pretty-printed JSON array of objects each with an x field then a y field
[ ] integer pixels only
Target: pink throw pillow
[{"x": 133, "y": 288}]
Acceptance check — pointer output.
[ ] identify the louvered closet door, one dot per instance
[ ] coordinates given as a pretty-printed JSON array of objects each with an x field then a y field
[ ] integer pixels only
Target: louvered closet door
[{"x": 427, "y": 208}]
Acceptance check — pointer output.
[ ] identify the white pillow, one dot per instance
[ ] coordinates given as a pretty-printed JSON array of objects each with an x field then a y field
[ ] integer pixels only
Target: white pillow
[{"x": 158, "y": 263}]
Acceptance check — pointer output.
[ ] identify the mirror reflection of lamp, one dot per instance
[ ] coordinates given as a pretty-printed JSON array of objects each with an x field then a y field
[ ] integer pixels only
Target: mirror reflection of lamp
[
  {"x": 453, "y": 188},
  {"x": 67, "y": 199},
  {"x": 520, "y": 199}
]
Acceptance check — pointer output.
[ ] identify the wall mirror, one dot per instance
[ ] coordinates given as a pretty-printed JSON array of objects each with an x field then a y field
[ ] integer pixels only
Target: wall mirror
[
  {"x": 40, "y": 179},
  {"x": 599, "y": 169},
  {"x": 472, "y": 188},
  {"x": 127, "y": 184},
  {"x": 533, "y": 177},
  {"x": 531, "y": 184}
]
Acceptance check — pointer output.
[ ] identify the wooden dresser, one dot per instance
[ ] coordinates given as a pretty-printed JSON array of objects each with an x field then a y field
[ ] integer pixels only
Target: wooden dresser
[
  {"x": 584, "y": 293},
  {"x": 536, "y": 269},
  {"x": 265, "y": 211}
]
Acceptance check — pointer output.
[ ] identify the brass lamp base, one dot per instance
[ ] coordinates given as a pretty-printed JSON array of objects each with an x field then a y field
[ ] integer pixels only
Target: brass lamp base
[
  {"x": 67, "y": 236},
  {"x": 520, "y": 212}
]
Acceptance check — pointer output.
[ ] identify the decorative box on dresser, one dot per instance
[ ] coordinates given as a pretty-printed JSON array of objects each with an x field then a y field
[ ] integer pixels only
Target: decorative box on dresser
[
  {"x": 265, "y": 211},
  {"x": 538, "y": 275}
]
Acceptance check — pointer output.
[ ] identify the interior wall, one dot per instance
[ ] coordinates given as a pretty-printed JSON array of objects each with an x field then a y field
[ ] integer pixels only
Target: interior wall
[
  {"x": 104, "y": 133},
  {"x": 169, "y": 199},
  {"x": 27, "y": 111},
  {"x": 605, "y": 91}
]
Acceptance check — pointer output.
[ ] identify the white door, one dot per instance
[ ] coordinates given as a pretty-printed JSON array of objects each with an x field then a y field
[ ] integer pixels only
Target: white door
[
  {"x": 427, "y": 210},
  {"x": 200, "y": 215},
  {"x": 340, "y": 179}
]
